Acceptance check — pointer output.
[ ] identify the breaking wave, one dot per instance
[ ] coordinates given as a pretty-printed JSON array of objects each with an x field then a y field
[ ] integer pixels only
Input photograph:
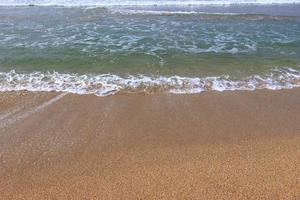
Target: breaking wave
[
  {"x": 108, "y": 84},
  {"x": 105, "y": 3}
]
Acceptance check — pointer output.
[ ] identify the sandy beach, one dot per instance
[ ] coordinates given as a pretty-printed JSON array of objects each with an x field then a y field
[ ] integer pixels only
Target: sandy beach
[{"x": 213, "y": 145}]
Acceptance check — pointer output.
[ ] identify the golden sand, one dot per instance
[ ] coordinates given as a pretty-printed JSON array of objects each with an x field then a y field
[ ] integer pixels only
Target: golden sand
[{"x": 229, "y": 145}]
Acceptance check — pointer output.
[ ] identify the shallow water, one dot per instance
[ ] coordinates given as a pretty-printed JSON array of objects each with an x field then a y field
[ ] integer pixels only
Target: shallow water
[{"x": 236, "y": 44}]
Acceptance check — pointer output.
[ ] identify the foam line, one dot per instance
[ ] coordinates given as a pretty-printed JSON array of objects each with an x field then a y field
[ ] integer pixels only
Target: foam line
[
  {"x": 36, "y": 109},
  {"x": 108, "y": 84},
  {"x": 5, "y": 115}
]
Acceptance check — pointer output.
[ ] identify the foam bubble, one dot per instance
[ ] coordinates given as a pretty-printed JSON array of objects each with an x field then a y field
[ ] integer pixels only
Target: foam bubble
[{"x": 108, "y": 84}]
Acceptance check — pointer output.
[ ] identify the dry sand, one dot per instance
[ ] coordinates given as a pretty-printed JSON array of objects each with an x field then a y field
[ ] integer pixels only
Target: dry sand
[{"x": 229, "y": 145}]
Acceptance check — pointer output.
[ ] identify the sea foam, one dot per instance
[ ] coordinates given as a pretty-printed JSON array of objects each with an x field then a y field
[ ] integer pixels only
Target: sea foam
[
  {"x": 139, "y": 2},
  {"x": 108, "y": 84}
]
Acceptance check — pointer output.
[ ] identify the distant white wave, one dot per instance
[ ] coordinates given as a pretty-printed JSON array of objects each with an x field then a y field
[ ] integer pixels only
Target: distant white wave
[
  {"x": 166, "y": 12},
  {"x": 108, "y": 84},
  {"x": 139, "y": 2}
]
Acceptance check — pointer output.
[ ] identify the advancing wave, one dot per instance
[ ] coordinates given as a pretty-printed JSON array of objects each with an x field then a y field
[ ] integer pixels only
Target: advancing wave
[
  {"x": 105, "y": 3},
  {"x": 108, "y": 84}
]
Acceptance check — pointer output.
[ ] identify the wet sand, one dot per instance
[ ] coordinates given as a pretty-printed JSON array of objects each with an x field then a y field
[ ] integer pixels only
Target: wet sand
[{"x": 229, "y": 145}]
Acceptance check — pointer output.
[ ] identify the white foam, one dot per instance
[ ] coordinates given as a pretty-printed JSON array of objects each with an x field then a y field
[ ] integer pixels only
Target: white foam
[
  {"x": 108, "y": 84},
  {"x": 132, "y": 11},
  {"x": 139, "y": 2}
]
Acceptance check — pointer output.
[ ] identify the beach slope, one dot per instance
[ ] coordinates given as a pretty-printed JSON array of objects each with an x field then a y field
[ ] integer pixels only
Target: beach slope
[{"x": 214, "y": 145}]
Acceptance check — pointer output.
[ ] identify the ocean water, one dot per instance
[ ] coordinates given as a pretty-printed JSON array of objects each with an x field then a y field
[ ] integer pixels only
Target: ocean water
[{"x": 174, "y": 46}]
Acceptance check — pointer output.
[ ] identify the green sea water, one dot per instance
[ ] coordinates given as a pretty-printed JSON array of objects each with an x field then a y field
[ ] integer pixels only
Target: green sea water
[{"x": 153, "y": 43}]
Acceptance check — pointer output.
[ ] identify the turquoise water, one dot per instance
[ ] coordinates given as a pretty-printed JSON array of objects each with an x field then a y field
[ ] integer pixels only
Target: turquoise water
[{"x": 104, "y": 50}]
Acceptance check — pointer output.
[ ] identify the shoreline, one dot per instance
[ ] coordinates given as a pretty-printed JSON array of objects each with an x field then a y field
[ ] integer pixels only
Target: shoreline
[
  {"x": 212, "y": 145},
  {"x": 112, "y": 84}
]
